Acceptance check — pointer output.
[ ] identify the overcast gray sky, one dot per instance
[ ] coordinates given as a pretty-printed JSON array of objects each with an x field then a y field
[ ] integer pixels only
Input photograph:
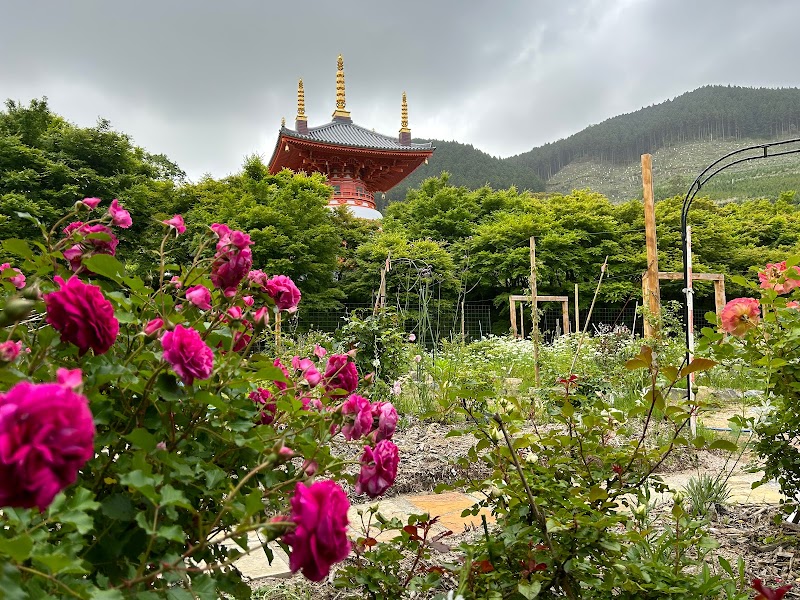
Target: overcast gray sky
[{"x": 207, "y": 81}]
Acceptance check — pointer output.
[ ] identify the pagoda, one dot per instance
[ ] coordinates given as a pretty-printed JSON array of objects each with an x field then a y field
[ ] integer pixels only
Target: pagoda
[{"x": 357, "y": 162}]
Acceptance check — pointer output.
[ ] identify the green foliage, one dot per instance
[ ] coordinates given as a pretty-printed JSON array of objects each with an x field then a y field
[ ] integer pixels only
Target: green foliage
[{"x": 706, "y": 492}]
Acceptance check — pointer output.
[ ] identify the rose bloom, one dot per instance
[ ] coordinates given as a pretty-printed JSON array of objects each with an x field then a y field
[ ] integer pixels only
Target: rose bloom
[
  {"x": 91, "y": 203},
  {"x": 319, "y": 351},
  {"x": 228, "y": 270},
  {"x": 88, "y": 247},
  {"x": 261, "y": 317},
  {"x": 357, "y": 414},
  {"x": 319, "y": 538},
  {"x": 284, "y": 292},
  {"x": 46, "y": 436},
  {"x": 18, "y": 280},
  {"x": 308, "y": 370},
  {"x": 281, "y": 385},
  {"x": 776, "y": 277},
  {"x": 258, "y": 278},
  {"x": 378, "y": 469},
  {"x": 119, "y": 216},
  {"x": 200, "y": 296},
  {"x": 9, "y": 351},
  {"x": 385, "y": 417},
  {"x": 767, "y": 593},
  {"x": 176, "y": 223},
  {"x": 82, "y": 315},
  {"x": 340, "y": 374},
  {"x": 153, "y": 327},
  {"x": 740, "y": 315},
  {"x": 266, "y": 400},
  {"x": 187, "y": 353}
]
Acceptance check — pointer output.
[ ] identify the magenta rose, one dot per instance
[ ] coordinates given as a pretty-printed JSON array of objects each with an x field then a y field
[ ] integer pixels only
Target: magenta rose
[
  {"x": 233, "y": 259},
  {"x": 91, "y": 203},
  {"x": 378, "y": 469},
  {"x": 200, "y": 296},
  {"x": 176, "y": 223},
  {"x": 187, "y": 353},
  {"x": 9, "y": 351},
  {"x": 385, "y": 420},
  {"x": 46, "y": 436},
  {"x": 307, "y": 369},
  {"x": 82, "y": 315},
  {"x": 153, "y": 327},
  {"x": 18, "y": 280},
  {"x": 284, "y": 292},
  {"x": 282, "y": 385},
  {"x": 357, "y": 415},
  {"x": 267, "y": 401},
  {"x": 319, "y": 539},
  {"x": 340, "y": 374},
  {"x": 88, "y": 247},
  {"x": 119, "y": 216}
]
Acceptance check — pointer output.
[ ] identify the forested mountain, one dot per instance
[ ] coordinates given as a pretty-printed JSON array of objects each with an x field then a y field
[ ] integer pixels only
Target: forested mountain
[
  {"x": 468, "y": 167},
  {"x": 708, "y": 113}
]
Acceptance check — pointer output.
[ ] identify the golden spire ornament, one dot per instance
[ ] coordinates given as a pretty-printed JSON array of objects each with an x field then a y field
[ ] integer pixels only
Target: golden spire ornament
[
  {"x": 301, "y": 102},
  {"x": 404, "y": 116},
  {"x": 283, "y": 121},
  {"x": 340, "y": 99}
]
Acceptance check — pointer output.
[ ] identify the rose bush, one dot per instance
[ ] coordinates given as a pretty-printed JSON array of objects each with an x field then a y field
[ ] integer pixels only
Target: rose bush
[{"x": 140, "y": 430}]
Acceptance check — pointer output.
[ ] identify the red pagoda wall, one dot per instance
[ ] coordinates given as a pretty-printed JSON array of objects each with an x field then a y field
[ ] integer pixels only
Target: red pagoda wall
[{"x": 350, "y": 191}]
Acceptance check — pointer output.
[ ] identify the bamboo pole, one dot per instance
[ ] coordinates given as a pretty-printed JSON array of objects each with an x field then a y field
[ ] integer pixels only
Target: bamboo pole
[
  {"x": 588, "y": 316},
  {"x": 653, "y": 299},
  {"x": 535, "y": 315}
]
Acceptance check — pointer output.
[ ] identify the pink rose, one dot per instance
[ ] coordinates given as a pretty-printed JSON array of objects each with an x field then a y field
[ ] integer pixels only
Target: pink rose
[
  {"x": 261, "y": 317},
  {"x": 187, "y": 353},
  {"x": 119, "y": 216},
  {"x": 284, "y": 292},
  {"x": 417, "y": 358},
  {"x": 235, "y": 312},
  {"x": 281, "y": 385},
  {"x": 153, "y": 327},
  {"x": 357, "y": 415},
  {"x": 176, "y": 223},
  {"x": 91, "y": 203},
  {"x": 740, "y": 315},
  {"x": 18, "y": 280},
  {"x": 340, "y": 374},
  {"x": 412, "y": 337},
  {"x": 228, "y": 270},
  {"x": 240, "y": 341},
  {"x": 319, "y": 538},
  {"x": 385, "y": 420},
  {"x": 82, "y": 315},
  {"x": 71, "y": 378},
  {"x": 319, "y": 351},
  {"x": 258, "y": 278},
  {"x": 46, "y": 436},
  {"x": 307, "y": 369},
  {"x": 793, "y": 304},
  {"x": 776, "y": 277},
  {"x": 200, "y": 296},
  {"x": 9, "y": 351},
  {"x": 266, "y": 400},
  {"x": 176, "y": 281},
  {"x": 378, "y": 469},
  {"x": 248, "y": 301}
]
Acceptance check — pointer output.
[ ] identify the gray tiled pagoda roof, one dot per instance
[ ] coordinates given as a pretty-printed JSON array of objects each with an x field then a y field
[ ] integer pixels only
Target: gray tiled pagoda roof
[{"x": 343, "y": 133}]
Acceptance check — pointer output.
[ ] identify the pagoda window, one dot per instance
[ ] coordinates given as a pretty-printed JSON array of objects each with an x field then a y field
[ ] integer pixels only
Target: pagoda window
[
  {"x": 337, "y": 190},
  {"x": 359, "y": 191}
]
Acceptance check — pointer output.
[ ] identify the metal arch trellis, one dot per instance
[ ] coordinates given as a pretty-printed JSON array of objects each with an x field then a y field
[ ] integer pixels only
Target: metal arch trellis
[
  {"x": 425, "y": 276},
  {"x": 736, "y": 157}
]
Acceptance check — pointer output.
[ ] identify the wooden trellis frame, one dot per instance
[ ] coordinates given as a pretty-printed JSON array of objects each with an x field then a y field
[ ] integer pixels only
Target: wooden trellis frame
[
  {"x": 514, "y": 298},
  {"x": 717, "y": 278}
]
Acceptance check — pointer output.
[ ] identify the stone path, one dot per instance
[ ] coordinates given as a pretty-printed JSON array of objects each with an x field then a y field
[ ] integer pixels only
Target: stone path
[{"x": 449, "y": 507}]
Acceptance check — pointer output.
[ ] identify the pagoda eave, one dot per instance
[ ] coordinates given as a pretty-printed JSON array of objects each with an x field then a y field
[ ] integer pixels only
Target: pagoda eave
[{"x": 379, "y": 169}]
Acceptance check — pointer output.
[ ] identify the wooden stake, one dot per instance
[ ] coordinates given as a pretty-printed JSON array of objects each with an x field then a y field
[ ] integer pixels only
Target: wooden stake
[
  {"x": 577, "y": 316},
  {"x": 653, "y": 299},
  {"x": 463, "y": 330},
  {"x": 719, "y": 295},
  {"x": 535, "y": 315},
  {"x": 512, "y": 309},
  {"x": 565, "y": 316},
  {"x": 522, "y": 320}
]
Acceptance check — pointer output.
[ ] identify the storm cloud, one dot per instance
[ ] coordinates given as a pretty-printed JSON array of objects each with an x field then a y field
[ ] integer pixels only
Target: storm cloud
[{"x": 206, "y": 82}]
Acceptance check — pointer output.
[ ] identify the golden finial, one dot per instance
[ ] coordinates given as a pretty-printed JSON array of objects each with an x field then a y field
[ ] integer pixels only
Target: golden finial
[
  {"x": 404, "y": 116},
  {"x": 340, "y": 101},
  {"x": 283, "y": 121},
  {"x": 301, "y": 101}
]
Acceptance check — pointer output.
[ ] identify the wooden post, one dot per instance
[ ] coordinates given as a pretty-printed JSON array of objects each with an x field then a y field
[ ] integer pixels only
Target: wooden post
[
  {"x": 463, "y": 330},
  {"x": 565, "y": 316},
  {"x": 690, "y": 327},
  {"x": 719, "y": 295},
  {"x": 513, "y": 312},
  {"x": 381, "y": 299},
  {"x": 522, "y": 320},
  {"x": 535, "y": 315},
  {"x": 653, "y": 298},
  {"x": 577, "y": 316}
]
